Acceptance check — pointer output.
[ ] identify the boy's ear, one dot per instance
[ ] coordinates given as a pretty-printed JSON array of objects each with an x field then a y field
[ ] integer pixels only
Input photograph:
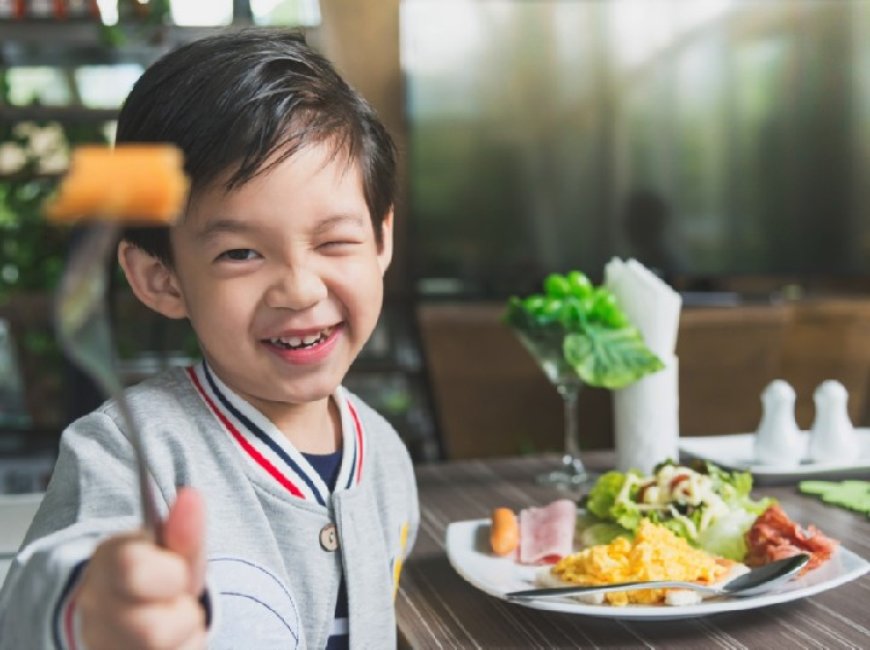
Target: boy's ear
[
  {"x": 152, "y": 283},
  {"x": 385, "y": 250}
]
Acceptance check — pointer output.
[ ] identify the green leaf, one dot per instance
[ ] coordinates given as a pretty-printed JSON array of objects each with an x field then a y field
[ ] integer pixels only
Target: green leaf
[
  {"x": 602, "y": 533},
  {"x": 603, "y": 494},
  {"x": 610, "y": 358},
  {"x": 580, "y": 285},
  {"x": 727, "y": 534},
  {"x": 596, "y": 338},
  {"x": 557, "y": 286},
  {"x": 627, "y": 515},
  {"x": 681, "y": 527}
]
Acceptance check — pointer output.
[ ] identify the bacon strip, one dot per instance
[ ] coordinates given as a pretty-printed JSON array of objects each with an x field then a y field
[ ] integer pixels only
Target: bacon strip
[{"x": 774, "y": 536}]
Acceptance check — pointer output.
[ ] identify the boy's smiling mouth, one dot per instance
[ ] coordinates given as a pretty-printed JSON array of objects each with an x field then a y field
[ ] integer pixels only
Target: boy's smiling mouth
[
  {"x": 304, "y": 346},
  {"x": 301, "y": 342}
]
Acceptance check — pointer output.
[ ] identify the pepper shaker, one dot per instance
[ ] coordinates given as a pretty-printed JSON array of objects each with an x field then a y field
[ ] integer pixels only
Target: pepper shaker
[
  {"x": 778, "y": 440},
  {"x": 832, "y": 437}
]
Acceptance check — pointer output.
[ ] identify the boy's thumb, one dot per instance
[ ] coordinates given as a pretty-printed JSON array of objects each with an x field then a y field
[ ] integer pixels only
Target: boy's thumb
[{"x": 184, "y": 533}]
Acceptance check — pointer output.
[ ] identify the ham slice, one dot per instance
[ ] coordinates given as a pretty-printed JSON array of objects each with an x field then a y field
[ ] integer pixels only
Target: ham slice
[
  {"x": 774, "y": 536},
  {"x": 547, "y": 533}
]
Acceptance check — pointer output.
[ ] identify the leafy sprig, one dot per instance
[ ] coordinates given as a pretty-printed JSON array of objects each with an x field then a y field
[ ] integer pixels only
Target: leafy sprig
[{"x": 598, "y": 340}]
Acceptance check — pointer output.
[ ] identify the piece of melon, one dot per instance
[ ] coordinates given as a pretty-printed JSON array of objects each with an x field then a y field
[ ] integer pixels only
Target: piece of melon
[{"x": 142, "y": 183}]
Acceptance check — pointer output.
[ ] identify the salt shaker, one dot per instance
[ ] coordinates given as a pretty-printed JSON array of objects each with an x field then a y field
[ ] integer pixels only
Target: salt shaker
[
  {"x": 832, "y": 437},
  {"x": 778, "y": 440}
]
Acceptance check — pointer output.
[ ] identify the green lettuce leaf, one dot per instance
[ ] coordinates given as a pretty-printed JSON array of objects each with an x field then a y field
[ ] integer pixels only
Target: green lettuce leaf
[
  {"x": 735, "y": 489},
  {"x": 627, "y": 515},
  {"x": 602, "y": 533},
  {"x": 726, "y": 536},
  {"x": 722, "y": 535},
  {"x": 603, "y": 502},
  {"x": 681, "y": 528},
  {"x": 610, "y": 358},
  {"x": 603, "y": 494},
  {"x": 731, "y": 486}
]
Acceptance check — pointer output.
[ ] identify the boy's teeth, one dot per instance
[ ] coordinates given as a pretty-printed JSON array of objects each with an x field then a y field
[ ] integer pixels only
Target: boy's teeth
[{"x": 301, "y": 341}]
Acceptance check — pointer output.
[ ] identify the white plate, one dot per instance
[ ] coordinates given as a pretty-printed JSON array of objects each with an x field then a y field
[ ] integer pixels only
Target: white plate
[
  {"x": 468, "y": 551},
  {"x": 735, "y": 452}
]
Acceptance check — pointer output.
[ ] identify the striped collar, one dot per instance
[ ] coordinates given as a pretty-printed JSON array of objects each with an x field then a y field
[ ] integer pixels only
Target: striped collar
[{"x": 269, "y": 450}]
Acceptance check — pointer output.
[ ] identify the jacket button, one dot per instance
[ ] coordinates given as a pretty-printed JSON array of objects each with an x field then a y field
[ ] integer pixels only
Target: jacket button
[{"x": 329, "y": 538}]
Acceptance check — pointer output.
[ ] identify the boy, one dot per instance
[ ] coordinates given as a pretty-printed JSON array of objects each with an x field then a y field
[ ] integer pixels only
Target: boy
[{"x": 278, "y": 264}]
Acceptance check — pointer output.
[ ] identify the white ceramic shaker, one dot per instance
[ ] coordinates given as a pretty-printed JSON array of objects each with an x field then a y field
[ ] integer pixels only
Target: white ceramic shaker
[
  {"x": 778, "y": 440},
  {"x": 832, "y": 438}
]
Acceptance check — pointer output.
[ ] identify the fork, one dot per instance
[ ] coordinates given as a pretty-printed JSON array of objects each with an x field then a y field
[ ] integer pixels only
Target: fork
[
  {"x": 82, "y": 325},
  {"x": 757, "y": 581}
]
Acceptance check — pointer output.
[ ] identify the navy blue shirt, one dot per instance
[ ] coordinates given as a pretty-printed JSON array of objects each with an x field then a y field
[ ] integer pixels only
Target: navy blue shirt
[{"x": 328, "y": 466}]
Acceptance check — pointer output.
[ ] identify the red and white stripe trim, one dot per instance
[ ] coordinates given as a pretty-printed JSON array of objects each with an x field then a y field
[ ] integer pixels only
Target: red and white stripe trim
[{"x": 268, "y": 449}]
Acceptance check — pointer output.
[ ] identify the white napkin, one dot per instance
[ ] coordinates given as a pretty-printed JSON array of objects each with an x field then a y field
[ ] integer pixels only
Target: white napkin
[
  {"x": 646, "y": 413},
  {"x": 650, "y": 304},
  {"x": 646, "y": 419}
]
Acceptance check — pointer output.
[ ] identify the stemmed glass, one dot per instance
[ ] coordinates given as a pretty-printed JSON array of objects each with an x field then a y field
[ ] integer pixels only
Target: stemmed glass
[{"x": 546, "y": 346}]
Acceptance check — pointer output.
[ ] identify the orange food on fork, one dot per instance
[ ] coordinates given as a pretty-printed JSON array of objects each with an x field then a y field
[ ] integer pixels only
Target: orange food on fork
[
  {"x": 130, "y": 182},
  {"x": 504, "y": 533}
]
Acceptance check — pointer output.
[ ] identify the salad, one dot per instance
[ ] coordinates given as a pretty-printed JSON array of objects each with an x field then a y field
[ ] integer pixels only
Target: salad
[
  {"x": 707, "y": 506},
  {"x": 592, "y": 333}
]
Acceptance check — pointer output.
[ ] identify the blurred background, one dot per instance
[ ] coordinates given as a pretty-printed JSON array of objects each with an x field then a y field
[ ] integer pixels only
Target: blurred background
[{"x": 723, "y": 143}]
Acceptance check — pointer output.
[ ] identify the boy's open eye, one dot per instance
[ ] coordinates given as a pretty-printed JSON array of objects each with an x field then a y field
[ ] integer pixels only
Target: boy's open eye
[{"x": 239, "y": 255}]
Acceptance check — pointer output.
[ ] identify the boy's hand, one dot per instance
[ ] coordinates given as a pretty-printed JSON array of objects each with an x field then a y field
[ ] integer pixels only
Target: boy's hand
[{"x": 135, "y": 594}]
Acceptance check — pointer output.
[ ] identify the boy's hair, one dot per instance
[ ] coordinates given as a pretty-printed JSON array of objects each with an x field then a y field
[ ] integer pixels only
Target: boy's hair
[{"x": 243, "y": 101}]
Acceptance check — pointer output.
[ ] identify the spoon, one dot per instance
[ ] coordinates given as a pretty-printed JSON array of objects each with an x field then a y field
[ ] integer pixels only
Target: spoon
[{"x": 754, "y": 582}]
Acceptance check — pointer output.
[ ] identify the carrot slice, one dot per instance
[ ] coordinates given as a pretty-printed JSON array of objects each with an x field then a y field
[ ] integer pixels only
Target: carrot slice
[
  {"x": 504, "y": 534},
  {"x": 131, "y": 182}
]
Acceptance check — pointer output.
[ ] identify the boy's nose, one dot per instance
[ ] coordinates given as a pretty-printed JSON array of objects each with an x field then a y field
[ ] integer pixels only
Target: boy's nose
[{"x": 296, "y": 289}]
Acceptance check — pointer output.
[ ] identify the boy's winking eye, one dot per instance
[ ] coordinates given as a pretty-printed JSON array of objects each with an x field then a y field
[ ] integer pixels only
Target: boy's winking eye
[
  {"x": 239, "y": 255},
  {"x": 330, "y": 235}
]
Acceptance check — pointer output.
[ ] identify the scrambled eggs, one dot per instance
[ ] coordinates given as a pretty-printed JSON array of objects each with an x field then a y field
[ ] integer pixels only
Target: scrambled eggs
[{"x": 655, "y": 554}]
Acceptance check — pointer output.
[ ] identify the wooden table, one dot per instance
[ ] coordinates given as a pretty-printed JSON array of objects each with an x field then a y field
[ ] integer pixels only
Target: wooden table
[{"x": 438, "y": 609}]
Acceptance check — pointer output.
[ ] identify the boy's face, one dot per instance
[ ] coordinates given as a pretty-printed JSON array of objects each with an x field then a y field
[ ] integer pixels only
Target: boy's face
[{"x": 282, "y": 279}]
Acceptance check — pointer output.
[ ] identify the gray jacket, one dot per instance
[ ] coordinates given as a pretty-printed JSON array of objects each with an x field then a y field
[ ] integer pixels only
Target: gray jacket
[{"x": 273, "y": 567}]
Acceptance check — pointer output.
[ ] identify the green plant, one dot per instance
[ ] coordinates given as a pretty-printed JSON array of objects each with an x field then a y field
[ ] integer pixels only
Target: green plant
[
  {"x": 585, "y": 328},
  {"x": 32, "y": 252}
]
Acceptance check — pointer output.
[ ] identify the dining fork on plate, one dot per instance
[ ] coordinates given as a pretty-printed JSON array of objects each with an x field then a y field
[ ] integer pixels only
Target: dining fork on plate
[{"x": 758, "y": 580}]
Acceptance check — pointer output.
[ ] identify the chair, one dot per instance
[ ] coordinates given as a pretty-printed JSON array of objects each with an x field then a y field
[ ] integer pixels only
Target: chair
[
  {"x": 492, "y": 398},
  {"x": 727, "y": 357}
]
